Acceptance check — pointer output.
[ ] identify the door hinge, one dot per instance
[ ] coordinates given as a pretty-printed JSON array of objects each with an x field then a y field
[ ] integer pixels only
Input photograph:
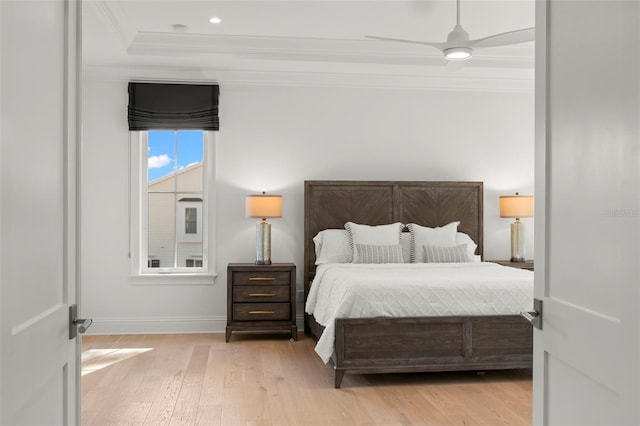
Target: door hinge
[{"x": 535, "y": 316}]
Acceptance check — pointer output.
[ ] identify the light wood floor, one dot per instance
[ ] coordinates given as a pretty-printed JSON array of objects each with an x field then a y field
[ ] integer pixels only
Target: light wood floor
[{"x": 198, "y": 379}]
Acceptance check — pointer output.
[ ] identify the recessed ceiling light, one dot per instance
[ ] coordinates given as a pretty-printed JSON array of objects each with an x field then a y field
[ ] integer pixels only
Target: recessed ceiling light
[{"x": 215, "y": 20}]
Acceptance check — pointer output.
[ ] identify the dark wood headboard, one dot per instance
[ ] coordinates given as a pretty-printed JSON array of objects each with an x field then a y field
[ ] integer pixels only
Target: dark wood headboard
[{"x": 330, "y": 204}]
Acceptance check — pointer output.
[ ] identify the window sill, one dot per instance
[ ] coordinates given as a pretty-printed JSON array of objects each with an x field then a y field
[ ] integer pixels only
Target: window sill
[{"x": 173, "y": 279}]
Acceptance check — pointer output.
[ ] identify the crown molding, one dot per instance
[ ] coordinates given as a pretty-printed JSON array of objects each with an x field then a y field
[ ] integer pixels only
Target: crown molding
[
  {"x": 304, "y": 49},
  {"x": 489, "y": 81}
]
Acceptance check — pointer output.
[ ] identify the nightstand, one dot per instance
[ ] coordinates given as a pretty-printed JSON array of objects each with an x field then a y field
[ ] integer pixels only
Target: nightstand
[
  {"x": 528, "y": 265},
  {"x": 261, "y": 298}
]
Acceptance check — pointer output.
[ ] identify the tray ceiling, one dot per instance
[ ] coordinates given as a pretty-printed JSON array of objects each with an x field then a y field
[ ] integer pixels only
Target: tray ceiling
[{"x": 295, "y": 40}]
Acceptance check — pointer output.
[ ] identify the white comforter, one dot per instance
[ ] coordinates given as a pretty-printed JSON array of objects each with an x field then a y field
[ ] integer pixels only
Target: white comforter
[{"x": 345, "y": 290}]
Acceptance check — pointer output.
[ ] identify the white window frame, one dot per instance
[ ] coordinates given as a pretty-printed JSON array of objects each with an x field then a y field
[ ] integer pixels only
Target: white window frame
[{"x": 141, "y": 273}]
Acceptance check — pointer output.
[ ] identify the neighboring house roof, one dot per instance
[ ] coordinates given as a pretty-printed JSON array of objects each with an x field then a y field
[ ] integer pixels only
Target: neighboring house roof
[{"x": 191, "y": 168}]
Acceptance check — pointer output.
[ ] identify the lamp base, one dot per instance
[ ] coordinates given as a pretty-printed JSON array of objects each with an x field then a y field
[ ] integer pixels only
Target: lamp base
[
  {"x": 263, "y": 243},
  {"x": 517, "y": 242}
]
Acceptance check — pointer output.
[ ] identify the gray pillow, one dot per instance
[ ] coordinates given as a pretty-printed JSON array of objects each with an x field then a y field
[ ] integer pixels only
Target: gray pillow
[
  {"x": 370, "y": 253},
  {"x": 457, "y": 254}
]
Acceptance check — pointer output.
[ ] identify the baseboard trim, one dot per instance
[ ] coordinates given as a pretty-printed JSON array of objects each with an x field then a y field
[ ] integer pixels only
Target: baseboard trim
[
  {"x": 158, "y": 325},
  {"x": 164, "y": 325}
]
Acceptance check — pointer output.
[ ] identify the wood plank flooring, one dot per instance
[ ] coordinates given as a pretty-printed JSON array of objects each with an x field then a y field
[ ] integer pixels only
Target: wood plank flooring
[{"x": 198, "y": 379}]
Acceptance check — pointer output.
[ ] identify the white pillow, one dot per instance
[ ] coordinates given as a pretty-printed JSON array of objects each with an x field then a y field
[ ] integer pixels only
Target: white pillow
[
  {"x": 452, "y": 254},
  {"x": 373, "y": 235},
  {"x": 441, "y": 236},
  {"x": 462, "y": 238},
  {"x": 373, "y": 253},
  {"x": 333, "y": 246}
]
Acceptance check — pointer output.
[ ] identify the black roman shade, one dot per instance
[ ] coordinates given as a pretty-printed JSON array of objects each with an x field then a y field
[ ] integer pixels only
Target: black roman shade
[{"x": 173, "y": 106}]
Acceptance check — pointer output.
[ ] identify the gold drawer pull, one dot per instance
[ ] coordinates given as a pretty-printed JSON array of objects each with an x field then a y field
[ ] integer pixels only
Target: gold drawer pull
[
  {"x": 261, "y": 312},
  {"x": 261, "y": 278},
  {"x": 262, "y": 294}
]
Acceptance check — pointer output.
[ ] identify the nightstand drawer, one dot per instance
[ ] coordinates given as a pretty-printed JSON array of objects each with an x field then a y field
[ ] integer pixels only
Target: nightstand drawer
[
  {"x": 261, "y": 311},
  {"x": 261, "y": 293},
  {"x": 261, "y": 277}
]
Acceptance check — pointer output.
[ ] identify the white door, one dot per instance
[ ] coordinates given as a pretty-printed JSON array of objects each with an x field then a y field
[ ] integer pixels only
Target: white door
[
  {"x": 586, "y": 357},
  {"x": 38, "y": 129}
]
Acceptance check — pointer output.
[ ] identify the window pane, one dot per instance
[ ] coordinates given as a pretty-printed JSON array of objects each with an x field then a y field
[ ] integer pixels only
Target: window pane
[
  {"x": 161, "y": 223},
  {"x": 189, "y": 255},
  {"x": 191, "y": 220},
  {"x": 161, "y": 154},
  {"x": 189, "y": 148},
  {"x": 175, "y": 190}
]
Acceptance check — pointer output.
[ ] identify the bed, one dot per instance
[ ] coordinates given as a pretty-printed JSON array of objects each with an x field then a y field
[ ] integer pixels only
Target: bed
[{"x": 421, "y": 343}]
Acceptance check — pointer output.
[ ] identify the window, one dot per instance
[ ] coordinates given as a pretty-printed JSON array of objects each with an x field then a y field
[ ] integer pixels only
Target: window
[
  {"x": 170, "y": 222},
  {"x": 189, "y": 223},
  {"x": 194, "y": 263}
]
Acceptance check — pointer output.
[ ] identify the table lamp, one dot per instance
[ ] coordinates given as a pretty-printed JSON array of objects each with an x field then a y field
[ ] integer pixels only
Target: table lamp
[
  {"x": 517, "y": 206},
  {"x": 263, "y": 206}
]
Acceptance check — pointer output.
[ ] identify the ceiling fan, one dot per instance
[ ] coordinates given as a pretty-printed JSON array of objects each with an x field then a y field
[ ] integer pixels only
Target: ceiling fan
[{"x": 459, "y": 47}]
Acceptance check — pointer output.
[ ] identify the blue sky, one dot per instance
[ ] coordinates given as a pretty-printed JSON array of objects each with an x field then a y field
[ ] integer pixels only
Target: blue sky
[{"x": 165, "y": 155}]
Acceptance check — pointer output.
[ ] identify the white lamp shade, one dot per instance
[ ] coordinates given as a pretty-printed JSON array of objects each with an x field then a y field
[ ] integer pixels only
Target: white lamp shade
[
  {"x": 264, "y": 206},
  {"x": 516, "y": 206}
]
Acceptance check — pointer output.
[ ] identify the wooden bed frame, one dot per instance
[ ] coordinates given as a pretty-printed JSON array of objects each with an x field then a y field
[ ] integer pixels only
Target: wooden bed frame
[{"x": 419, "y": 344}]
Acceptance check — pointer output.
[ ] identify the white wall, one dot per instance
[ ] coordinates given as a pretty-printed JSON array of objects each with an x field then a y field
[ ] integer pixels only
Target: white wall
[{"x": 272, "y": 138}]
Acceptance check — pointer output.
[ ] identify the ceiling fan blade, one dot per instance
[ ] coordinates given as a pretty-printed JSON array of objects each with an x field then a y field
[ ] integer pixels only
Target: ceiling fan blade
[
  {"x": 424, "y": 43},
  {"x": 503, "y": 39}
]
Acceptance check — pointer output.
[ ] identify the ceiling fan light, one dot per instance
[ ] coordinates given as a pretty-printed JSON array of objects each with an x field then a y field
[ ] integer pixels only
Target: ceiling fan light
[{"x": 458, "y": 53}]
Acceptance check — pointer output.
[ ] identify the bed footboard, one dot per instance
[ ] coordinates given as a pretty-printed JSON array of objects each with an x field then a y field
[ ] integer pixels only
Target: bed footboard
[{"x": 422, "y": 344}]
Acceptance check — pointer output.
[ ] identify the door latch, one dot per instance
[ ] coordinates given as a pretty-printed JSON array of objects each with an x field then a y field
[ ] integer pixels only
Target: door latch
[
  {"x": 535, "y": 316},
  {"x": 77, "y": 325}
]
